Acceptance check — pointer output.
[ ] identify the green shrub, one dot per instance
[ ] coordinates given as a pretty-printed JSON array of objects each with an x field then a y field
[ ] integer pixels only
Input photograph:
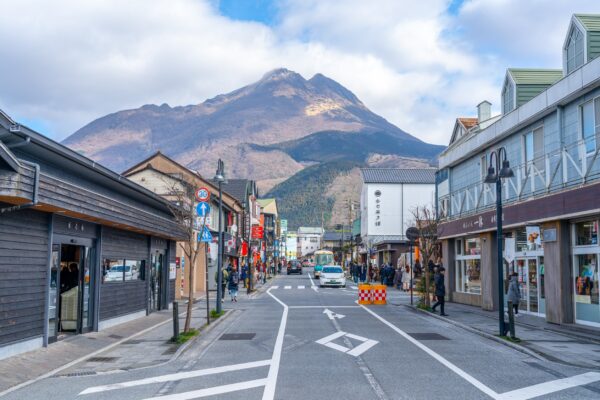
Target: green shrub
[
  {"x": 185, "y": 336},
  {"x": 214, "y": 314}
]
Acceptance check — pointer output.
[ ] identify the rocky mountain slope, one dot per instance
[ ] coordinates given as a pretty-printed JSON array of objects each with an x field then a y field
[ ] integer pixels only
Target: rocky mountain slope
[{"x": 269, "y": 131}]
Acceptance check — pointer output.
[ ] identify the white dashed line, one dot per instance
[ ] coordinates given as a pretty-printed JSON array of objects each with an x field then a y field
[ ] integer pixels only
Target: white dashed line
[
  {"x": 301, "y": 287},
  {"x": 287, "y": 287}
]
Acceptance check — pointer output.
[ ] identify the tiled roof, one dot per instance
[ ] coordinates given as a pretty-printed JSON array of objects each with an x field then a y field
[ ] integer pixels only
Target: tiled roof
[
  {"x": 468, "y": 123},
  {"x": 398, "y": 175},
  {"x": 590, "y": 22},
  {"x": 237, "y": 189},
  {"x": 535, "y": 76}
]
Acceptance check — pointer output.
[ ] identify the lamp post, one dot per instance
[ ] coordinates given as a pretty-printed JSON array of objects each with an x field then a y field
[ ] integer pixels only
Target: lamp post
[
  {"x": 220, "y": 178},
  {"x": 495, "y": 175}
]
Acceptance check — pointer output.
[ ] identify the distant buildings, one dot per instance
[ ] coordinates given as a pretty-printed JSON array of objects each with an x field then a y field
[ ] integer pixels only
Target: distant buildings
[
  {"x": 309, "y": 240},
  {"x": 550, "y": 127},
  {"x": 388, "y": 198}
]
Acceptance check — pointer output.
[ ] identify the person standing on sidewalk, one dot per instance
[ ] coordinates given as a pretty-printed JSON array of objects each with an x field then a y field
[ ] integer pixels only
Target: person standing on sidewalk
[
  {"x": 514, "y": 292},
  {"x": 233, "y": 285},
  {"x": 244, "y": 274},
  {"x": 440, "y": 290}
]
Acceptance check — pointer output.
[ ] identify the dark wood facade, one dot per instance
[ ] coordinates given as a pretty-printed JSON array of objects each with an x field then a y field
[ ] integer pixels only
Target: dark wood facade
[{"x": 51, "y": 196}]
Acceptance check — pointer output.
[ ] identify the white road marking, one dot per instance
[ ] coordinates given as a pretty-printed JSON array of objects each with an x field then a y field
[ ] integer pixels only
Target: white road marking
[
  {"x": 234, "y": 387},
  {"x": 479, "y": 385},
  {"x": 301, "y": 287},
  {"x": 353, "y": 287},
  {"x": 357, "y": 351},
  {"x": 551, "y": 387},
  {"x": 331, "y": 315},
  {"x": 287, "y": 287},
  {"x": 274, "y": 287},
  {"x": 323, "y": 307},
  {"x": 177, "y": 376},
  {"x": 312, "y": 284},
  {"x": 269, "y": 393}
]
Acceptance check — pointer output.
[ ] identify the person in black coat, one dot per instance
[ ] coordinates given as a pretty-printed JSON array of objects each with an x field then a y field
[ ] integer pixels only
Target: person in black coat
[{"x": 440, "y": 290}]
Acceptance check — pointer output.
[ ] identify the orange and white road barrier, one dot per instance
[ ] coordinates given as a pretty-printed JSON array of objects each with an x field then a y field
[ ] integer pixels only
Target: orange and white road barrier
[
  {"x": 364, "y": 294},
  {"x": 379, "y": 294}
]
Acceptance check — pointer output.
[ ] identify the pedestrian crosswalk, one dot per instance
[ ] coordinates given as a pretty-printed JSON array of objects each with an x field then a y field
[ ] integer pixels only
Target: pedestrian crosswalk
[{"x": 300, "y": 287}]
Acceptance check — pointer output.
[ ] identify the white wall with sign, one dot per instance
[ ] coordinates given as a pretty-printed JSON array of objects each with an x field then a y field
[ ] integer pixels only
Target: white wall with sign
[{"x": 387, "y": 208}]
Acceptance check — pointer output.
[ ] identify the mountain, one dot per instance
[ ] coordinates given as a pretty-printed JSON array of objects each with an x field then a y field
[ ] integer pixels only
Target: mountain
[{"x": 269, "y": 131}]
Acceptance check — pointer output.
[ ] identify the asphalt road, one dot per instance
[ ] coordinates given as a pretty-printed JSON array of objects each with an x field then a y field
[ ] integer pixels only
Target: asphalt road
[{"x": 298, "y": 341}]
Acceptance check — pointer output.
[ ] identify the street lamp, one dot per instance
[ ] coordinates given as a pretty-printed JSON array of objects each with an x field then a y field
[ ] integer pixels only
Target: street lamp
[
  {"x": 493, "y": 177},
  {"x": 220, "y": 178}
]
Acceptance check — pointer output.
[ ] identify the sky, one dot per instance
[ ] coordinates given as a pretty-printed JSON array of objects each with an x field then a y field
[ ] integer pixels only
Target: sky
[{"x": 418, "y": 63}]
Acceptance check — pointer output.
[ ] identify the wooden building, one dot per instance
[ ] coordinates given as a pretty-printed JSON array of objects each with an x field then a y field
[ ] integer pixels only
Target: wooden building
[{"x": 81, "y": 247}]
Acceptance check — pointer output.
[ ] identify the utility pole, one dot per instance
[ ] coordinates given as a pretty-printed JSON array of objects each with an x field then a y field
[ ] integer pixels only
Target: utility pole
[{"x": 220, "y": 178}]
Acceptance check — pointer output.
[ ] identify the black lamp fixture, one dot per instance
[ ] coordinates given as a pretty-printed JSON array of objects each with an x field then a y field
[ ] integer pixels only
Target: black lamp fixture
[{"x": 505, "y": 171}]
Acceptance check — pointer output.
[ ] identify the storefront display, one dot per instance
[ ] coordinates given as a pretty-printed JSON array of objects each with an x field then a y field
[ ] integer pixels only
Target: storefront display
[
  {"x": 468, "y": 266},
  {"x": 585, "y": 272}
]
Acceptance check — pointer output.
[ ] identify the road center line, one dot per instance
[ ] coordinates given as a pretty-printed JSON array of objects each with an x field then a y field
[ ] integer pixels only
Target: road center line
[
  {"x": 473, "y": 381},
  {"x": 177, "y": 376},
  {"x": 269, "y": 393},
  {"x": 323, "y": 307},
  {"x": 195, "y": 394},
  {"x": 312, "y": 284}
]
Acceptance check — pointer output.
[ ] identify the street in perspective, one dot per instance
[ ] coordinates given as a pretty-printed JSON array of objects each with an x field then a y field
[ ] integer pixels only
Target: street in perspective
[{"x": 267, "y": 234}]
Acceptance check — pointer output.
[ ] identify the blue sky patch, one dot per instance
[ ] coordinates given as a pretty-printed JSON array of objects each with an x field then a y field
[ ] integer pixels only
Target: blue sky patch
[{"x": 263, "y": 11}]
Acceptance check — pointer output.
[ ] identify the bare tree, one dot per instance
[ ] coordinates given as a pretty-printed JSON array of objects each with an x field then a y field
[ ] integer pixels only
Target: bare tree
[
  {"x": 182, "y": 202},
  {"x": 427, "y": 223}
]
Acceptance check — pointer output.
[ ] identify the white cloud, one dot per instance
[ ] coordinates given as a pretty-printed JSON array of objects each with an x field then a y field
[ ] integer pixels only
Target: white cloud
[{"x": 68, "y": 62}]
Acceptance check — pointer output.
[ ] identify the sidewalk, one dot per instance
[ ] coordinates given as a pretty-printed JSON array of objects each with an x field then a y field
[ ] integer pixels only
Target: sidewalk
[
  {"x": 140, "y": 343},
  {"x": 568, "y": 344}
]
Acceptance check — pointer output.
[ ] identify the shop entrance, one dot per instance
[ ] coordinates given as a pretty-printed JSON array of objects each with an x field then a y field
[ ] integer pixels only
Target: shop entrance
[
  {"x": 531, "y": 281},
  {"x": 70, "y": 305},
  {"x": 156, "y": 280}
]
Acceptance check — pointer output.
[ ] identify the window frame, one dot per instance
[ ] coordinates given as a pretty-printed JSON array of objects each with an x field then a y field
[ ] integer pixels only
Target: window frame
[
  {"x": 461, "y": 264},
  {"x": 582, "y": 53}
]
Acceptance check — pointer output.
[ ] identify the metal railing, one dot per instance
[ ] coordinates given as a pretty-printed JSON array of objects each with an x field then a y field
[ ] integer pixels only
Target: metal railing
[{"x": 570, "y": 166}]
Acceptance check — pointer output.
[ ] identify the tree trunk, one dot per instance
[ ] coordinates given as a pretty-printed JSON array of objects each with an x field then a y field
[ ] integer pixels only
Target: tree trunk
[{"x": 190, "y": 305}]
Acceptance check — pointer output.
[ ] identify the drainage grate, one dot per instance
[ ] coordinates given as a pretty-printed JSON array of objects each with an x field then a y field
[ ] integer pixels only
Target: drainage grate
[
  {"x": 115, "y": 336},
  {"x": 428, "y": 336},
  {"x": 237, "y": 336},
  {"x": 170, "y": 350},
  {"x": 102, "y": 359},
  {"x": 81, "y": 373}
]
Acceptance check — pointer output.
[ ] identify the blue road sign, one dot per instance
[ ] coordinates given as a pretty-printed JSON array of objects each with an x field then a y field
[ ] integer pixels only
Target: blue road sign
[
  {"x": 203, "y": 209},
  {"x": 206, "y": 236}
]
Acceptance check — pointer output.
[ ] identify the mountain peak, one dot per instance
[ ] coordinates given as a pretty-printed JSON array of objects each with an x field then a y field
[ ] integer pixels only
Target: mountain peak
[
  {"x": 281, "y": 74},
  {"x": 324, "y": 83}
]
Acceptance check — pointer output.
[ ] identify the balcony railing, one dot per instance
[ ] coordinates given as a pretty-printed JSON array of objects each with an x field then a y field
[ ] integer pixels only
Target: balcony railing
[{"x": 567, "y": 167}]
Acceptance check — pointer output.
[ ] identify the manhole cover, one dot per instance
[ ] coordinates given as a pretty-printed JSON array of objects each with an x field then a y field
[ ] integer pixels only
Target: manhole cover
[
  {"x": 102, "y": 359},
  {"x": 237, "y": 336},
  {"x": 428, "y": 336}
]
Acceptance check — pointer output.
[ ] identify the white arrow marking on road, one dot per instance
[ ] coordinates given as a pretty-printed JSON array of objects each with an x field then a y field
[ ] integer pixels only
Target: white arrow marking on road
[{"x": 331, "y": 315}]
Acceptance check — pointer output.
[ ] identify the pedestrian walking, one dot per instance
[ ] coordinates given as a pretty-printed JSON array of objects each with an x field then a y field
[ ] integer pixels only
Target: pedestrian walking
[
  {"x": 233, "y": 284},
  {"x": 406, "y": 283},
  {"x": 398, "y": 277},
  {"x": 363, "y": 273},
  {"x": 244, "y": 274},
  {"x": 514, "y": 292},
  {"x": 440, "y": 290}
]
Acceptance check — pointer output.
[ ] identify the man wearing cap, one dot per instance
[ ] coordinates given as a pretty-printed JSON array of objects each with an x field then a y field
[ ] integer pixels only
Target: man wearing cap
[{"x": 440, "y": 290}]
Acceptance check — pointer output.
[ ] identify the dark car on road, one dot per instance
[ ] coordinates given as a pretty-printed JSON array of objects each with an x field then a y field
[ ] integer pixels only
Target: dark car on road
[{"x": 294, "y": 267}]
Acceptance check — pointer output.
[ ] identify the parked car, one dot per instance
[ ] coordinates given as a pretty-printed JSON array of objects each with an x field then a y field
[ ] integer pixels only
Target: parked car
[
  {"x": 332, "y": 275},
  {"x": 294, "y": 267}
]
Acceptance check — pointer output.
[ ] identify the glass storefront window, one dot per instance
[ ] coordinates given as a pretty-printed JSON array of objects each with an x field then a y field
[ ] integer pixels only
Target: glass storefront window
[
  {"x": 586, "y": 288},
  {"x": 117, "y": 270},
  {"x": 586, "y": 233},
  {"x": 468, "y": 276},
  {"x": 472, "y": 247}
]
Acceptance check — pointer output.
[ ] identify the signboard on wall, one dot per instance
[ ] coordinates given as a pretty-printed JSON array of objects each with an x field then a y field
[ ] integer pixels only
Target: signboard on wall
[
  {"x": 534, "y": 237},
  {"x": 172, "y": 270},
  {"x": 509, "y": 249}
]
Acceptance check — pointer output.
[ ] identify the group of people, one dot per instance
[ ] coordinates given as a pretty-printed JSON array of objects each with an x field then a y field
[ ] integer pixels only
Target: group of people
[{"x": 232, "y": 276}]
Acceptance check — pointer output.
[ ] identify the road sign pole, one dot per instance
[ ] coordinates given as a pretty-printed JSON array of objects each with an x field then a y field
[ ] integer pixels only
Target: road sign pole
[
  {"x": 220, "y": 255},
  {"x": 207, "y": 295}
]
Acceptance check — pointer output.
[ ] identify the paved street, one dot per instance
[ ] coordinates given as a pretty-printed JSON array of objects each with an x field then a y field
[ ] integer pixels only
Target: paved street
[{"x": 298, "y": 341}]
